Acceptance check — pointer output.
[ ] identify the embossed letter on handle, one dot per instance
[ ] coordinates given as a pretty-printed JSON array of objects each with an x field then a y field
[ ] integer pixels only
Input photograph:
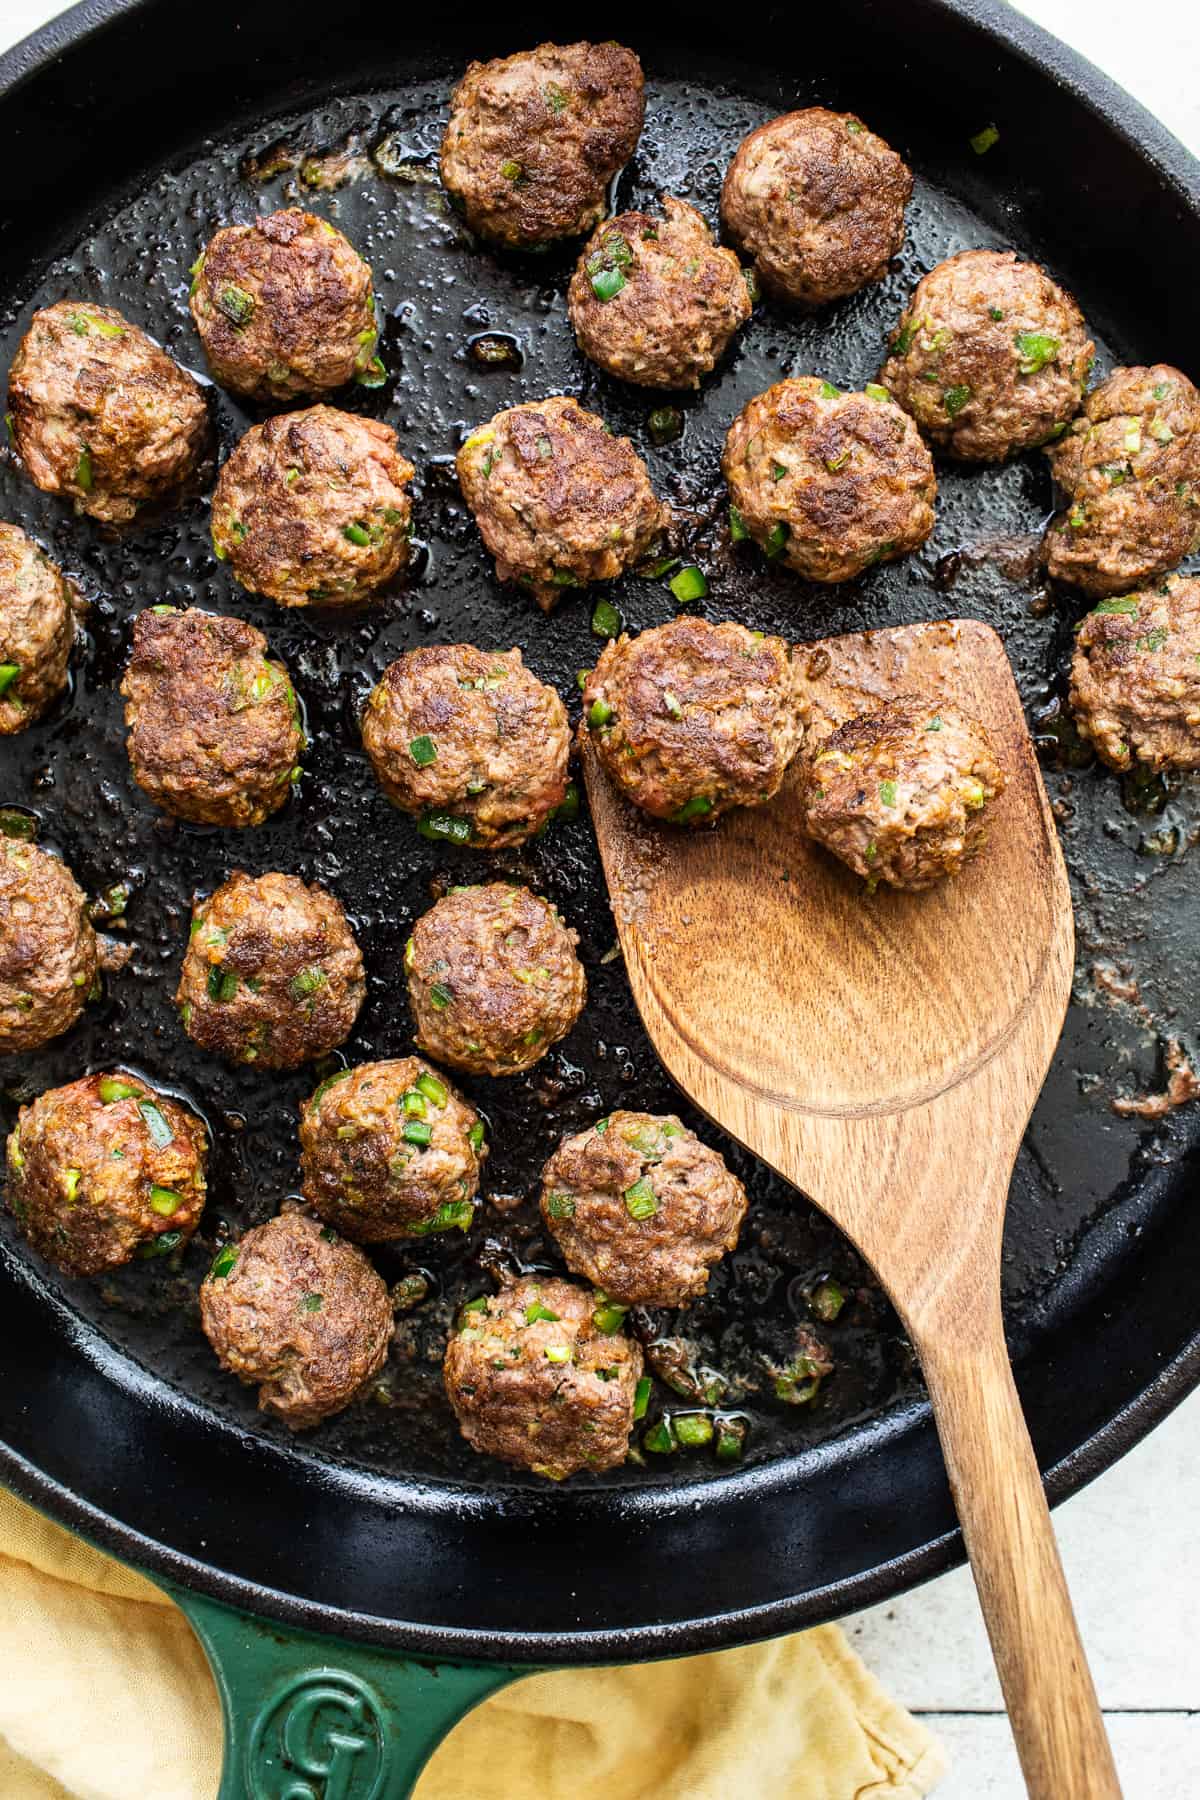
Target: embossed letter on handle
[
  {"x": 309, "y": 1718},
  {"x": 322, "y": 1736}
]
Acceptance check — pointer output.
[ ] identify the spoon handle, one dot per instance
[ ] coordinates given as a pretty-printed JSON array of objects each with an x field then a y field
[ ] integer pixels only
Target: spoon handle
[{"x": 1052, "y": 1705}]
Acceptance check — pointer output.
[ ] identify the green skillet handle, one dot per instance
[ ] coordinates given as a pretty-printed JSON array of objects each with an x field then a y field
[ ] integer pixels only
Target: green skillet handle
[{"x": 312, "y": 1718}]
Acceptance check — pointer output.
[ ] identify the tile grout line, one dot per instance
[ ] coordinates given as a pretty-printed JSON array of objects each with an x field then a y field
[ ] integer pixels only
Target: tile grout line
[{"x": 1109, "y": 1712}]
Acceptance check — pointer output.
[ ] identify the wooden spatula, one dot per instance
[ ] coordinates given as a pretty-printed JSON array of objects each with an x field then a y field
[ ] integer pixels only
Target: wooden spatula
[{"x": 883, "y": 1052}]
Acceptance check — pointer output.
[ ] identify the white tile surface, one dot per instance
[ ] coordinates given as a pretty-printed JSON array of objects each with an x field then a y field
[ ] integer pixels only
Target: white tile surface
[
  {"x": 19, "y": 17},
  {"x": 1128, "y": 1543},
  {"x": 1157, "y": 1755},
  {"x": 1129, "y": 1540},
  {"x": 1152, "y": 49}
]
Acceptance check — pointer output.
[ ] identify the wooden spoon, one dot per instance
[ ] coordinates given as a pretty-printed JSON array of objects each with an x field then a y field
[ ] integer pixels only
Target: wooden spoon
[{"x": 884, "y": 1053}]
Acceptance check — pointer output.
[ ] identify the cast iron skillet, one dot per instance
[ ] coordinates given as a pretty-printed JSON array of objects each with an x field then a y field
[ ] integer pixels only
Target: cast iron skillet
[{"x": 124, "y": 136}]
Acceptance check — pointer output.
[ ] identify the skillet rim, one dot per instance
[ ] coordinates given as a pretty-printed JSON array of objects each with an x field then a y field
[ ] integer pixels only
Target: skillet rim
[
  {"x": 1151, "y": 142},
  {"x": 641, "y": 1643}
]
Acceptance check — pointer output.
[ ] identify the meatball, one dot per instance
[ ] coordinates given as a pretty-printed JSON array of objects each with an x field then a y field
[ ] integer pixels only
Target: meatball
[
  {"x": 817, "y": 202},
  {"x": 390, "y": 1150},
  {"x": 829, "y": 482},
  {"x": 642, "y": 1208},
  {"x": 311, "y": 508},
  {"x": 48, "y": 956},
  {"x": 470, "y": 741},
  {"x": 214, "y": 727},
  {"x": 990, "y": 356},
  {"x": 37, "y": 630},
  {"x": 535, "y": 1381},
  {"x": 291, "y": 1308},
  {"x": 493, "y": 979},
  {"x": 559, "y": 500},
  {"x": 690, "y": 719},
  {"x": 1130, "y": 467},
  {"x": 900, "y": 793},
  {"x": 1135, "y": 677},
  {"x": 105, "y": 1169},
  {"x": 284, "y": 308},
  {"x": 654, "y": 301},
  {"x": 100, "y": 413},
  {"x": 534, "y": 139},
  {"x": 272, "y": 973}
]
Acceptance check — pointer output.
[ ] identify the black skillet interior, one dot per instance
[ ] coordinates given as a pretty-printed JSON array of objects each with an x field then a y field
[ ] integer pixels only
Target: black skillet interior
[{"x": 132, "y": 149}]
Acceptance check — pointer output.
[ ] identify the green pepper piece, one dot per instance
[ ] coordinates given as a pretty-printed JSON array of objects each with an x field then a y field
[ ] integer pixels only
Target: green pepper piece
[
  {"x": 156, "y": 1124},
  {"x": 112, "y": 1089},
  {"x": 690, "y": 584},
  {"x": 606, "y": 620}
]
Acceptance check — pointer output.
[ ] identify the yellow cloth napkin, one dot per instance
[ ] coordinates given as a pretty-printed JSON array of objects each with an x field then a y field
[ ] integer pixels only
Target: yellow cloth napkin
[{"x": 106, "y": 1695}]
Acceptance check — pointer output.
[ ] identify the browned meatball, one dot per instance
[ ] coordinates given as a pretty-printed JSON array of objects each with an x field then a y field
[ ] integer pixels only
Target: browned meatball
[
  {"x": 990, "y": 356},
  {"x": 690, "y": 719},
  {"x": 104, "y": 1169},
  {"x": 312, "y": 508},
  {"x": 1130, "y": 468},
  {"x": 100, "y": 413},
  {"x": 214, "y": 727},
  {"x": 829, "y": 482},
  {"x": 391, "y": 1150},
  {"x": 493, "y": 979},
  {"x": 559, "y": 500},
  {"x": 47, "y": 947},
  {"x": 817, "y": 202},
  {"x": 900, "y": 793},
  {"x": 535, "y": 1381},
  {"x": 655, "y": 301},
  {"x": 642, "y": 1208},
  {"x": 272, "y": 973},
  {"x": 37, "y": 629},
  {"x": 1135, "y": 677},
  {"x": 534, "y": 139},
  {"x": 293, "y": 1310},
  {"x": 470, "y": 741},
  {"x": 284, "y": 308}
]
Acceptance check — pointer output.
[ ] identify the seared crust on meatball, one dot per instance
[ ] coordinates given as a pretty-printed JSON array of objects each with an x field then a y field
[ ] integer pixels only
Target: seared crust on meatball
[
  {"x": 534, "y": 139},
  {"x": 103, "y": 1168},
  {"x": 690, "y": 718},
  {"x": 272, "y": 973},
  {"x": 284, "y": 307},
  {"x": 471, "y": 741},
  {"x": 990, "y": 356},
  {"x": 1130, "y": 467},
  {"x": 47, "y": 947},
  {"x": 1135, "y": 677},
  {"x": 312, "y": 509},
  {"x": 642, "y": 1208},
  {"x": 900, "y": 793},
  {"x": 493, "y": 979},
  {"x": 391, "y": 1150},
  {"x": 829, "y": 482},
  {"x": 656, "y": 301},
  {"x": 559, "y": 500},
  {"x": 293, "y": 1310},
  {"x": 100, "y": 413},
  {"x": 214, "y": 727},
  {"x": 37, "y": 630},
  {"x": 535, "y": 1382},
  {"x": 817, "y": 202}
]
